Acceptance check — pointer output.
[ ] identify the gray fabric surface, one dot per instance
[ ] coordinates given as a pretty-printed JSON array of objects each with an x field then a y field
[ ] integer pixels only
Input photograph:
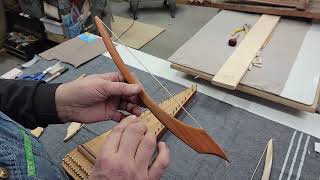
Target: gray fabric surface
[{"x": 242, "y": 135}]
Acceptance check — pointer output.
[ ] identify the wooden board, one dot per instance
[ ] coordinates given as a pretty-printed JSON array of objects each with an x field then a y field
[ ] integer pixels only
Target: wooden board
[
  {"x": 230, "y": 74},
  {"x": 56, "y": 37},
  {"x": 79, "y": 162},
  {"x": 72, "y": 129},
  {"x": 243, "y": 88},
  {"x": 299, "y": 4},
  {"x": 37, "y": 132},
  {"x": 268, "y": 161},
  {"x": 312, "y": 10}
]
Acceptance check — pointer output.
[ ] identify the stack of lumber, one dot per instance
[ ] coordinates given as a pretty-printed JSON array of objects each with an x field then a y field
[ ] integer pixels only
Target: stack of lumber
[{"x": 295, "y": 8}]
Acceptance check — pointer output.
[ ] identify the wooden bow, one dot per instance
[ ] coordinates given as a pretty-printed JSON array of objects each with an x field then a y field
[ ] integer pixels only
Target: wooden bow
[{"x": 196, "y": 138}]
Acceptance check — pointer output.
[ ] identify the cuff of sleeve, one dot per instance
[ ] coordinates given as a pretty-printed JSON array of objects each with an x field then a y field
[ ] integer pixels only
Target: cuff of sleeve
[{"x": 45, "y": 105}]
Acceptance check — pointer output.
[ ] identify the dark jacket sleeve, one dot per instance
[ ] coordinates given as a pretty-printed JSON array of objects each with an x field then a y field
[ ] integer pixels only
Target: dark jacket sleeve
[{"x": 30, "y": 103}]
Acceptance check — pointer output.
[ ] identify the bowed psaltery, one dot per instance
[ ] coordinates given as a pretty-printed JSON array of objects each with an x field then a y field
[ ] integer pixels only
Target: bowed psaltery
[{"x": 196, "y": 138}]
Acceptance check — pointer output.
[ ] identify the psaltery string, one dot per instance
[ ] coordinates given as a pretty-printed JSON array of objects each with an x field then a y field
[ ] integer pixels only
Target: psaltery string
[{"x": 156, "y": 80}]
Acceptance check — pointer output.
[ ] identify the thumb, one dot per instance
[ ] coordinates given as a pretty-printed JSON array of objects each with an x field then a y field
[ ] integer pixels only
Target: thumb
[
  {"x": 121, "y": 89},
  {"x": 161, "y": 162}
]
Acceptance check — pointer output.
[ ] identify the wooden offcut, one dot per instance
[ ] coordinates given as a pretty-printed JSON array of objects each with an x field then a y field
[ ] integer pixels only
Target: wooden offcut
[
  {"x": 230, "y": 74},
  {"x": 79, "y": 162},
  {"x": 73, "y": 129},
  {"x": 37, "y": 132},
  {"x": 268, "y": 161}
]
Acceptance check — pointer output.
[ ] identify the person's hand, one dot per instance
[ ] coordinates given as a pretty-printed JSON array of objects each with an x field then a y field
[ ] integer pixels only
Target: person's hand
[
  {"x": 127, "y": 153},
  {"x": 96, "y": 98}
]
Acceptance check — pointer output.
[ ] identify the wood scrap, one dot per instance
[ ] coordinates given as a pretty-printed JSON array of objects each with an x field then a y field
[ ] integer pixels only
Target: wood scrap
[
  {"x": 250, "y": 67},
  {"x": 72, "y": 130},
  {"x": 257, "y": 65},
  {"x": 257, "y": 60},
  {"x": 37, "y": 132},
  {"x": 74, "y": 127},
  {"x": 230, "y": 74},
  {"x": 268, "y": 161}
]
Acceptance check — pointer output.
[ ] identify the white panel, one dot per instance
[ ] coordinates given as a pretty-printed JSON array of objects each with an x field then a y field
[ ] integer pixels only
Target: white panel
[{"x": 304, "y": 76}]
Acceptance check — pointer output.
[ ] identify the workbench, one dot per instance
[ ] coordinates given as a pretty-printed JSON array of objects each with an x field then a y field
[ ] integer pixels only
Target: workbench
[{"x": 240, "y": 132}]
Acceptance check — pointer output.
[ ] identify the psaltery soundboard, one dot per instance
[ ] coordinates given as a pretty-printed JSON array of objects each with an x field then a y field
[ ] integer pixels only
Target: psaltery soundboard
[{"x": 79, "y": 162}]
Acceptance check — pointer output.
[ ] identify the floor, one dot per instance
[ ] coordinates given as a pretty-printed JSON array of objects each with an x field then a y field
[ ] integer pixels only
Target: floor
[
  {"x": 8, "y": 62},
  {"x": 188, "y": 20}
]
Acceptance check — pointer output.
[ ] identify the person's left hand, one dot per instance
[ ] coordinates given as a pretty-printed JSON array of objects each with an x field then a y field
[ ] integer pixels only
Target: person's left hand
[{"x": 97, "y": 98}]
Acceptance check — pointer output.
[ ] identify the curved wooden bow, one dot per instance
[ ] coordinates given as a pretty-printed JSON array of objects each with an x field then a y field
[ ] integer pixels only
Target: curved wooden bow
[{"x": 196, "y": 138}]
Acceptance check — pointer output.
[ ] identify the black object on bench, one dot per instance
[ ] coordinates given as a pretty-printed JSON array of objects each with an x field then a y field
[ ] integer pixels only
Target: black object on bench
[{"x": 171, "y": 4}]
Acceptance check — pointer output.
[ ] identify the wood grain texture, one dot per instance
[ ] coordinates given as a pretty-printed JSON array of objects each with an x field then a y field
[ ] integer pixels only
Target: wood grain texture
[
  {"x": 299, "y": 4},
  {"x": 312, "y": 10},
  {"x": 243, "y": 88},
  {"x": 196, "y": 138},
  {"x": 268, "y": 161},
  {"x": 79, "y": 162},
  {"x": 233, "y": 70}
]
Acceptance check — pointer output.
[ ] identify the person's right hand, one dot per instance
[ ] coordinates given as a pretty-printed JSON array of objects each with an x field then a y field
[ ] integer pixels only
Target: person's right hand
[{"x": 127, "y": 153}]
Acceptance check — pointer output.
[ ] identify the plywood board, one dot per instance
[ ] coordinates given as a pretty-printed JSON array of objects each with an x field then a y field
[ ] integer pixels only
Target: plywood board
[
  {"x": 235, "y": 67},
  {"x": 138, "y": 35}
]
